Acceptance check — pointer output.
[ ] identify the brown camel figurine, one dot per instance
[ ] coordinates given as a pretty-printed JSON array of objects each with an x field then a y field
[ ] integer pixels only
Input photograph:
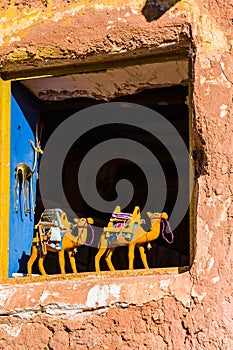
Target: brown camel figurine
[
  {"x": 57, "y": 219},
  {"x": 139, "y": 238}
]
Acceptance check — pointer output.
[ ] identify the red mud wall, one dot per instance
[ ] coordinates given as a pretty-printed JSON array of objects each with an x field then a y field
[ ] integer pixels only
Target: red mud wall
[{"x": 191, "y": 310}]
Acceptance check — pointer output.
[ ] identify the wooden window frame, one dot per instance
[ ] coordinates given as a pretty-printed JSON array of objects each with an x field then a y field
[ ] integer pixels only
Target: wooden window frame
[{"x": 5, "y": 88}]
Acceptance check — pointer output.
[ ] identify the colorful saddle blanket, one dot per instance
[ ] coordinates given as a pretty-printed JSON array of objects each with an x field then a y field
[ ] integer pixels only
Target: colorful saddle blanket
[{"x": 128, "y": 236}]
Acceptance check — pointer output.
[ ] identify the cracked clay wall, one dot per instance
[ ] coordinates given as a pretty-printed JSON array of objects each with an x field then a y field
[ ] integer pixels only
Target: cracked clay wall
[{"x": 189, "y": 310}]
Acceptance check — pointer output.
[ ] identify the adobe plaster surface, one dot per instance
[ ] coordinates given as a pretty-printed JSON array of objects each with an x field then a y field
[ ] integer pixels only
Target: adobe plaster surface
[
  {"x": 191, "y": 310},
  {"x": 111, "y": 83}
]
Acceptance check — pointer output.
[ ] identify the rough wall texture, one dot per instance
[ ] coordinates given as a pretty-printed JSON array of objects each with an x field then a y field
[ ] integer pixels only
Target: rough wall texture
[
  {"x": 191, "y": 310},
  {"x": 111, "y": 83}
]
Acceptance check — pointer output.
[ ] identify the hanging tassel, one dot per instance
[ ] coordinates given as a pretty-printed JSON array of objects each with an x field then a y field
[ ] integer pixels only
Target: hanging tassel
[{"x": 149, "y": 246}]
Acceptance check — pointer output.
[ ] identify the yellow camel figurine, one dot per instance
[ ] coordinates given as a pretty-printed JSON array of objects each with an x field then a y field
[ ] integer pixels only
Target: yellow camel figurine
[
  {"x": 139, "y": 238},
  {"x": 69, "y": 242}
]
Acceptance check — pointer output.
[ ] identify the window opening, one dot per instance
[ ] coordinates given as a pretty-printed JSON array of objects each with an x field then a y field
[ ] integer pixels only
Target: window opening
[{"x": 32, "y": 111}]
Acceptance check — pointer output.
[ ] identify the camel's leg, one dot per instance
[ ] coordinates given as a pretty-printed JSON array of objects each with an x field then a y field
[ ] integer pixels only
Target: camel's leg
[
  {"x": 41, "y": 264},
  {"x": 72, "y": 261},
  {"x": 15, "y": 192},
  {"x": 143, "y": 255},
  {"x": 131, "y": 255},
  {"x": 32, "y": 194},
  {"x": 97, "y": 258},
  {"x": 25, "y": 194},
  {"x": 109, "y": 260},
  {"x": 32, "y": 258},
  {"x": 61, "y": 258}
]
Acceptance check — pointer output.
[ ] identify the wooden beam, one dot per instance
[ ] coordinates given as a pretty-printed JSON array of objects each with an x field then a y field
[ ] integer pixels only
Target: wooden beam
[{"x": 4, "y": 175}]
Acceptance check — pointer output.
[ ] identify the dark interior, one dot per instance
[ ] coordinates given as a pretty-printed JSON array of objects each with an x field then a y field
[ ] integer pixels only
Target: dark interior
[{"x": 170, "y": 102}]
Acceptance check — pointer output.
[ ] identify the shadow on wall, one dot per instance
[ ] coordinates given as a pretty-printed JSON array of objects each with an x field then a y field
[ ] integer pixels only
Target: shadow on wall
[{"x": 153, "y": 9}]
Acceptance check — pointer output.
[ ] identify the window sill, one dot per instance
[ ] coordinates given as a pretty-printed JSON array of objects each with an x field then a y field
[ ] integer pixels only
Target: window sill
[{"x": 71, "y": 294}]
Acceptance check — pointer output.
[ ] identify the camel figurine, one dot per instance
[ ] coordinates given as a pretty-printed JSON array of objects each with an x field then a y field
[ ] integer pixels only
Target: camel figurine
[
  {"x": 138, "y": 238},
  {"x": 24, "y": 177},
  {"x": 54, "y": 222}
]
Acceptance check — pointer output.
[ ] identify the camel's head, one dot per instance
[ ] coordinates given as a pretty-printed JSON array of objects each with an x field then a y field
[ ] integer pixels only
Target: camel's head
[
  {"x": 90, "y": 221},
  {"x": 37, "y": 148},
  {"x": 157, "y": 215},
  {"x": 164, "y": 215}
]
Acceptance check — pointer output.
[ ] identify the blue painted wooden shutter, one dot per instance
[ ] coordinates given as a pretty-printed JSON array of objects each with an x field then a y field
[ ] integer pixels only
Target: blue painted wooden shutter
[{"x": 23, "y": 125}]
